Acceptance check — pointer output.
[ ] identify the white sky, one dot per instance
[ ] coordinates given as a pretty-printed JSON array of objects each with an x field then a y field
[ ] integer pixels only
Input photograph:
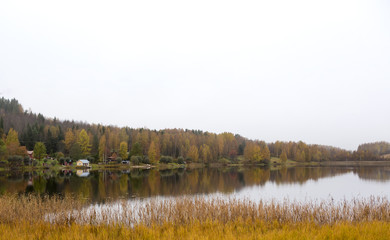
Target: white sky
[{"x": 317, "y": 71}]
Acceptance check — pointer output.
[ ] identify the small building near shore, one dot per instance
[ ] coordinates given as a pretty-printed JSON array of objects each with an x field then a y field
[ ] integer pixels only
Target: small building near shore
[
  {"x": 30, "y": 154},
  {"x": 82, "y": 163}
]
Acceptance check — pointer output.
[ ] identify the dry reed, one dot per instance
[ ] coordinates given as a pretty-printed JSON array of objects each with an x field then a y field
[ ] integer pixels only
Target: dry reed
[{"x": 188, "y": 210}]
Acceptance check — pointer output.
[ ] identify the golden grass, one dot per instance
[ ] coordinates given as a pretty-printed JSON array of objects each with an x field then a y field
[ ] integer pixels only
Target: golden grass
[
  {"x": 35, "y": 217},
  {"x": 238, "y": 229}
]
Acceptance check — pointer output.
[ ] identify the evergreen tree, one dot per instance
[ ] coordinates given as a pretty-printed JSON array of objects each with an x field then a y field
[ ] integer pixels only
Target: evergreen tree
[
  {"x": 136, "y": 149},
  {"x": 102, "y": 148},
  {"x": 76, "y": 152},
  {"x": 3, "y": 150},
  {"x": 95, "y": 146},
  {"x": 1, "y": 127}
]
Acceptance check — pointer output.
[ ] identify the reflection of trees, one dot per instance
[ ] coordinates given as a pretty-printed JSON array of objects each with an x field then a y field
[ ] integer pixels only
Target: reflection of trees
[
  {"x": 16, "y": 176},
  {"x": 51, "y": 186},
  {"x": 256, "y": 176},
  {"x": 373, "y": 173},
  {"x": 39, "y": 184},
  {"x": 101, "y": 185},
  {"x": 123, "y": 183},
  {"x": 84, "y": 191}
]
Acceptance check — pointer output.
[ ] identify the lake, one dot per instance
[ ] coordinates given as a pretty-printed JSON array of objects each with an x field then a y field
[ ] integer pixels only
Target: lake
[{"x": 254, "y": 183}]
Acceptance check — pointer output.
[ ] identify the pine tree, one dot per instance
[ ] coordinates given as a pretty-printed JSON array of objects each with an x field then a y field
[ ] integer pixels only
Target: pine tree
[
  {"x": 102, "y": 148},
  {"x": 136, "y": 150},
  {"x": 1, "y": 127}
]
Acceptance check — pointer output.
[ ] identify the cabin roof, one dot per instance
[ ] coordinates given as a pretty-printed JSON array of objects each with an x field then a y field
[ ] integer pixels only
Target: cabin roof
[{"x": 84, "y": 160}]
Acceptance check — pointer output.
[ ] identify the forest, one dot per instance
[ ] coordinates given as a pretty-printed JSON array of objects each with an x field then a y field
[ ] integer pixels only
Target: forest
[{"x": 22, "y": 130}]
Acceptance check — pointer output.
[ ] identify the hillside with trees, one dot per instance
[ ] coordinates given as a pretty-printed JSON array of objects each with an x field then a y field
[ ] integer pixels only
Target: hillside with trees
[{"x": 23, "y": 131}]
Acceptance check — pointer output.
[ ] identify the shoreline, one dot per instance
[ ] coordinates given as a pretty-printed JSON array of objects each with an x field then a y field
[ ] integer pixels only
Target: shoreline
[{"x": 272, "y": 165}]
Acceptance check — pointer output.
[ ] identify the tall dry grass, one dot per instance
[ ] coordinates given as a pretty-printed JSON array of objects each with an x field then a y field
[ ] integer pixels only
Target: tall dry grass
[
  {"x": 188, "y": 210},
  {"x": 36, "y": 217}
]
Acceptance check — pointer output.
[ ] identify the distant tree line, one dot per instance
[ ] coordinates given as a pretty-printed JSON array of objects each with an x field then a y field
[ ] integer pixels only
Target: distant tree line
[{"x": 22, "y": 130}]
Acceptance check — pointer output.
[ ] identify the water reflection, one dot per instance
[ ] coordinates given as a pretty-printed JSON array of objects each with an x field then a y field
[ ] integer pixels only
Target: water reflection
[
  {"x": 102, "y": 185},
  {"x": 82, "y": 172}
]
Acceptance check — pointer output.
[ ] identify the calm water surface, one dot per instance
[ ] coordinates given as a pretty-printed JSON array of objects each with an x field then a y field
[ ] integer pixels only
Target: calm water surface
[{"x": 299, "y": 183}]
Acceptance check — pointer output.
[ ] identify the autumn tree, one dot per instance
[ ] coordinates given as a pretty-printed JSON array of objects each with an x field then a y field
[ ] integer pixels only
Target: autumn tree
[
  {"x": 283, "y": 157},
  {"x": 39, "y": 150},
  {"x": 85, "y": 146},
  {"x": 69, "y": 139},
  {"x": 265, "y": 153},
  {"x": 193, "y": 153},
  {"x": 152, "y": 153},
  {"x": 123, "y": 150},
  {"x": 252, "y": 152},
  {"x": 12, "y": 142},
  {"x": 205, "y": 153},
  {"x": 300, "y": 156}
]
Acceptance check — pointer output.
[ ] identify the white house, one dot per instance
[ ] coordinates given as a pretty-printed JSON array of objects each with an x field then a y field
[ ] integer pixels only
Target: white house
[{"x": 82, "y": 163}]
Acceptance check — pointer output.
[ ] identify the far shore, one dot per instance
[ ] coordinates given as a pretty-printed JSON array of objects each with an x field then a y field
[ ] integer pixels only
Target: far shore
[{"x": 275, "y": 163}]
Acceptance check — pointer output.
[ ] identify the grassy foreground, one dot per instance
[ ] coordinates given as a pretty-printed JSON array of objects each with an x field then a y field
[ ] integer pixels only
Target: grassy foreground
[
  {"x": 35, "y": 217},
  {"x": 238, "y": 229}
]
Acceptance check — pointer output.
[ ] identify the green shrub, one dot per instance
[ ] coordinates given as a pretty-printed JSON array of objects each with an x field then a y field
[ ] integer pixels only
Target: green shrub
[
  {"x": 135, "y": 160},
  {"x": 15, "y": 161},
  {"x": 91, "y": 159},
  {"x": 265, "y": 161},
  {"x": 224, "y": 161},
  {"x": 180, "y": 160},
  {"x": 166, "y": 159},
  {"x": 26, "y": 161},
  {"x": 145, "y": 160}
]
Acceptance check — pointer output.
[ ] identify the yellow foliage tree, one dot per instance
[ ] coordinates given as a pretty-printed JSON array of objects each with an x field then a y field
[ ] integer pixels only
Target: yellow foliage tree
[
  {"x": 123, "y": 150},
  {"x": 152, "y": 153},
  {"x": 205, "y": 153},
  {"x": 193, "y": 153},
  {"x": 12, "y": 142},
  {"x": 265, "y": 153},
  {"x": 283, "y": 157},
  {"x": 69, "y": 139},
  {"x": 252, "y": 152},
  {"x": 84, "y": 143}
]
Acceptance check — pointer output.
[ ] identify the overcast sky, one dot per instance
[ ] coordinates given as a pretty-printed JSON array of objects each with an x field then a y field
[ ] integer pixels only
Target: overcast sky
[{"x": 317, "y": 71}]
